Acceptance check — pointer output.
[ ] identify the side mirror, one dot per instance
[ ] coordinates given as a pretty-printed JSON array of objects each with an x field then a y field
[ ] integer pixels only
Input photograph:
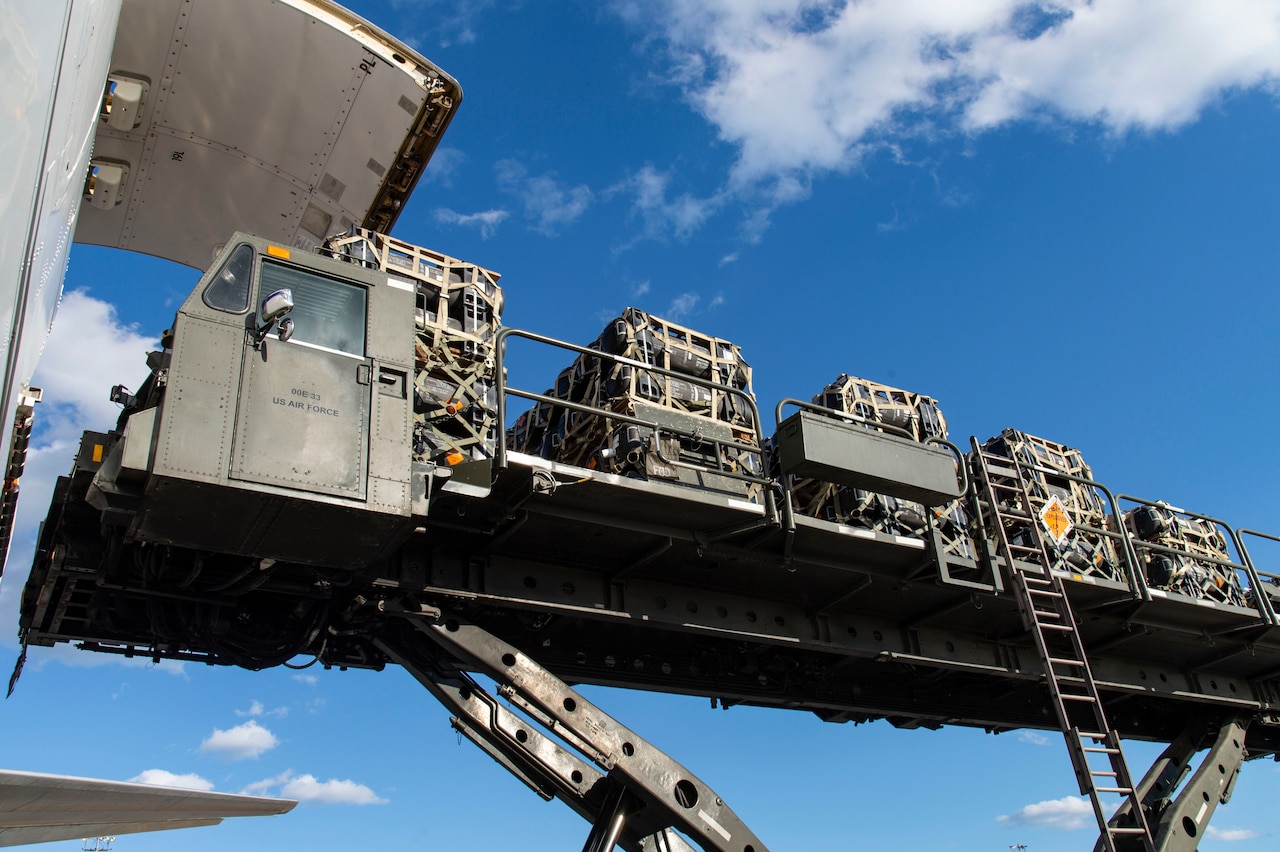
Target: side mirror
[{"x": 274, "y": 307}]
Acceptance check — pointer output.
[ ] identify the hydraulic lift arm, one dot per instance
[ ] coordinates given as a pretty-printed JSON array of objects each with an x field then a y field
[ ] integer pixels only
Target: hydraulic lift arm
[
  {"x": 637, "y": 798},
  {"x": 1179, "y": 822}
]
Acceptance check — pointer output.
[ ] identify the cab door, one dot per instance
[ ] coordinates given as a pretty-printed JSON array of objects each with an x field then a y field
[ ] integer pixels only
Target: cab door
[{"x": 303, "y": 416}]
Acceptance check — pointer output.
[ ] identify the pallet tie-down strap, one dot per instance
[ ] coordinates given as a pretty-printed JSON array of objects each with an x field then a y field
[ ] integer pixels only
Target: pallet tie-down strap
[
  {"x": 671, "y": 795},
  {"x": 464, "y": 378}
]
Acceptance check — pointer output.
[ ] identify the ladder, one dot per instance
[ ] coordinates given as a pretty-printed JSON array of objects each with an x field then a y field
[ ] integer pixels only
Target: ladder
[{"x": 1094, "y": 747}]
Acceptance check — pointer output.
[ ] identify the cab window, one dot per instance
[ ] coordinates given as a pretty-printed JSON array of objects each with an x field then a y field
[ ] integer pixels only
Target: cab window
[
  {"x": 326, "y": 312},
  {"x": 229, "y": 289}
]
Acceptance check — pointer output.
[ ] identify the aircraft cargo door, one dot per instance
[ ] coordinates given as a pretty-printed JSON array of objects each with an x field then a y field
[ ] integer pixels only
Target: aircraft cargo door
[{"x": 303, "y": 415}]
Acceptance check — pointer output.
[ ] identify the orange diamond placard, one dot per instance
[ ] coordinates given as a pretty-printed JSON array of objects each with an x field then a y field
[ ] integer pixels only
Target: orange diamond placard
[{"x": 1055, "y": 520}]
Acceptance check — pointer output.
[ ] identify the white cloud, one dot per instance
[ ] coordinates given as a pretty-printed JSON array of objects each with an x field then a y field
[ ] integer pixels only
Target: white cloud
[
  {"x": 1067, "y": 814},
  {"x": 453, "y": 22},
  {"x": 445, "y": 164},
  {"x": 263, "y": 787},
  {"x": 76, "y": 388},
  {"x": 682, "y": 305},
  {"x": 486, "y": 221},
  {"x": 803, "y": 86},
  {"x": 309, "y": 680},
  {"x": 550, "y": 204},
  {"x": 661, "y": 217},
  {"x": 241, "y": 742},
  {"x": 76, "y": 398},
  {"x": 256, "y": 708},
  {"x": 1033, "y": 738},
  {"x": 305, "y": 788},
  {"x": 163, "y": 778},
  {"x": 1229, "y": 834}
]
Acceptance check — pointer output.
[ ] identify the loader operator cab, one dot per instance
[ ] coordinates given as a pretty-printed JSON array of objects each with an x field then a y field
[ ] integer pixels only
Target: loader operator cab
[{"x": 288, "y": 388}]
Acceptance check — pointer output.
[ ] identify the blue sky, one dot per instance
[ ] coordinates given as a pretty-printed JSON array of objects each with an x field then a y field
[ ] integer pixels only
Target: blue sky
[{"x": 1059, "y": 217}]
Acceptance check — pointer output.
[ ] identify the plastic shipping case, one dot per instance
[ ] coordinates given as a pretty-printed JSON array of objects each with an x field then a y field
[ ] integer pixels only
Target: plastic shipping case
[
  {"x": 698, "y": 398},
  {"x": 1183, "y": 554},
  {"x": 1055, "y": 470}
]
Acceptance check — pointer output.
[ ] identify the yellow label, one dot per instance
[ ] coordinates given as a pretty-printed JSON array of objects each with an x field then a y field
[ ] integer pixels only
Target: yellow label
[
  {"x": 278, "y": 251},
  {"x": 97, "y": 452}
]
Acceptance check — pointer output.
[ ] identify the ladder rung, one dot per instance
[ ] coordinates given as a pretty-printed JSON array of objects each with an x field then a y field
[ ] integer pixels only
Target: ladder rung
[
  {"x": 1067, "y": 697},
  {"x": 1038, "y": 581},
  {"x": 1101, "y": 773},
  {"x": 1064, "y": 628},
  {"x": 1058, "y": 661},
  {"x": 1091, "y": 735},
  {"x": 1100, "y": 750},
  {"x": 1127, "y": 830},
  {"x": 1045, "y": 593},
  {"x": 1125, "y": 790}
]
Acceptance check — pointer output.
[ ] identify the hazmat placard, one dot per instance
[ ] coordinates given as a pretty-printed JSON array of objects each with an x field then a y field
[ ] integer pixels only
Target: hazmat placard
[{"x": 1055, "y": 520}]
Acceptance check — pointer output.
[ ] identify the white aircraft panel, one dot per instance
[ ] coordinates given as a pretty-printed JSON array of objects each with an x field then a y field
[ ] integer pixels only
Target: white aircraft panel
[
  {"x": 291, "y": 120},
  {"x": 53, "y": 57}
]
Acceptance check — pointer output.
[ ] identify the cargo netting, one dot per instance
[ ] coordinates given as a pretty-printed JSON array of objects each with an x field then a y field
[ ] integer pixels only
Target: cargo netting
[
  {"x": 1184, "y": 554},
  {"x": 457, "y": 315},
  {"x": 1055, "y": 470},
  {"x": 698, "y": 398}
]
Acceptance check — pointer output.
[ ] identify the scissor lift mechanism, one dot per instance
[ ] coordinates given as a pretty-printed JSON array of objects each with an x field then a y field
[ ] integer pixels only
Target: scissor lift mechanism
[{"x": 637, "y": 797}]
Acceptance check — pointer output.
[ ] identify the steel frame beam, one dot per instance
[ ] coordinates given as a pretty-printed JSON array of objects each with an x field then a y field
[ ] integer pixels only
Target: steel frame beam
[{"x": 638, "y": 797}]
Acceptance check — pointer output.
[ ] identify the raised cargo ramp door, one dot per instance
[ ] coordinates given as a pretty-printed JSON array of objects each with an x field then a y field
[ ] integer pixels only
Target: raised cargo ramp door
[{"x": 303, "y": 418}]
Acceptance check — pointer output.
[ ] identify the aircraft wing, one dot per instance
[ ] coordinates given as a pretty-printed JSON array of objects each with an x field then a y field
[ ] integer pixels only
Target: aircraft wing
[
  {"x": 36, "y": 808},
  {"x": 291, "y": 120}
]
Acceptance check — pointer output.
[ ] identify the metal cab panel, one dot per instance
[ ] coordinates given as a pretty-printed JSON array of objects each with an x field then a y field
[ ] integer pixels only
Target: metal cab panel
[{"x": 810, "y": 445}]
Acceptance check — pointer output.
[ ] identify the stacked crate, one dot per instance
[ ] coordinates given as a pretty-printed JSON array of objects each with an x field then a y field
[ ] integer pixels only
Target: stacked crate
[
  {"x": 895, "y": 412},
  {"x": 692, "y": 413},
  {"x": 1194, "y": 568},
  {"x": 456, "y": 319},
  {"x": 1081, "y": 550}
]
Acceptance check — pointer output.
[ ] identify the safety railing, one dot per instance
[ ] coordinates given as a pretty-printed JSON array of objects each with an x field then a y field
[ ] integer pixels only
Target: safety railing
[
  {"x": 1240, "y": 582},
  {"x": 1268, "y": 581}
]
